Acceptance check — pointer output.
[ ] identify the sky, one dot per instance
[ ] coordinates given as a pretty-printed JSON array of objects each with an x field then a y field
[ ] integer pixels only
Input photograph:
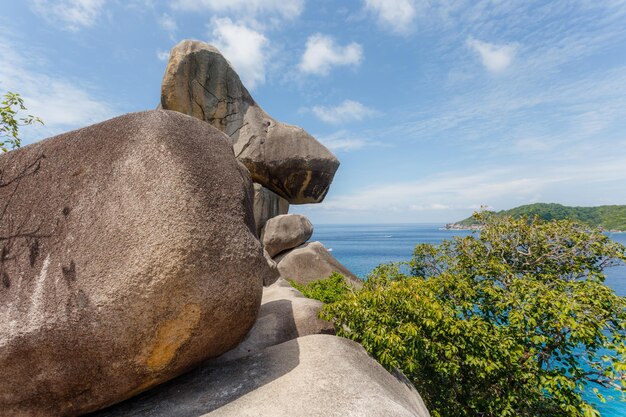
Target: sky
[{"x": 434, "y": 108}]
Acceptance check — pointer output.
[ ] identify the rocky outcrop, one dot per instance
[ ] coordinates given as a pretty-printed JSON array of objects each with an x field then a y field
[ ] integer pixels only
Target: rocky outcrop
[
  {"x": 312, "y": 262},
  {"x": 285, "y": 232},
  {"x": 267, "y": 205},
  {"x": 200, "y": 82},
  {"x": 285, "y": 314},
  {"x": 128, "y": 257},
  {"x": 312, "y": 376}
]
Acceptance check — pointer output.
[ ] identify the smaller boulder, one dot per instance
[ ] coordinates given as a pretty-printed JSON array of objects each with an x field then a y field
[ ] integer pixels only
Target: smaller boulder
[
  {"x": 285, "y": 314},
  {"x": 267, "y": 204},
  {"x": 285, "y": 232},
  {"x": 312, "y": 262}
]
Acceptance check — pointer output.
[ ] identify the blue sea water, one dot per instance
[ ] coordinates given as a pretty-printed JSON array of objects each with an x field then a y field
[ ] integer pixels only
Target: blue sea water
[{"x": 362, "y": 247}]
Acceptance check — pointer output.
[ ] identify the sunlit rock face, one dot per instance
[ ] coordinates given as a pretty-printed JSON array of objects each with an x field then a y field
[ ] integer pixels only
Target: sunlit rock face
[
  {"x": 285, "y": 232},
  {"x": 200, "y": 82},
  {"x": 129, "y": 256}
]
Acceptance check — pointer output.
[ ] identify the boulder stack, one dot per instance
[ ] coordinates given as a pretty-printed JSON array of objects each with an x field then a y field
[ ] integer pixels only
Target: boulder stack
[
  {"x": 200, "y": 82},
  {"x": 129, "y": 256},
  {"x": 288, "y": 165}
]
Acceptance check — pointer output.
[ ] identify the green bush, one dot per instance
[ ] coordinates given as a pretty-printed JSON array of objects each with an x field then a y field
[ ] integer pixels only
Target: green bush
[
  {"x": 513, "y": 322},
  {"x": 328, "y": 290}
]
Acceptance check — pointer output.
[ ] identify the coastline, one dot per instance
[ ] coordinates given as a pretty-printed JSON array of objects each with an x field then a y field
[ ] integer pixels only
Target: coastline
[
  {"x": 473, "y": 228},
  {"x": 457, "y": 226}
]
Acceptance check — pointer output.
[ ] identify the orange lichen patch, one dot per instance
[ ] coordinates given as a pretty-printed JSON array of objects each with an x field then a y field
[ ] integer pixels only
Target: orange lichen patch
[{"x": 171, "y": 335}]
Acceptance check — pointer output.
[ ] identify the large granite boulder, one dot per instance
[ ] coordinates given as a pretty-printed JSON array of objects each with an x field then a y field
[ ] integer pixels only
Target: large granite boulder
[
  {"x": 312, "y": 262},
  {"x": 285, "y": 232},
  {"x": 129, "y": 256},
  {"x": 312, "y": 376},
  {"x": 200, "y": 82},
  {"x": 267, "y": 204},
  {"x": 285, "y": 314}
]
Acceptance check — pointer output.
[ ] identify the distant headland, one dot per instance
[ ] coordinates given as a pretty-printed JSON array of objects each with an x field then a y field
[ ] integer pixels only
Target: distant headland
[{"x": 609, "y": 218}]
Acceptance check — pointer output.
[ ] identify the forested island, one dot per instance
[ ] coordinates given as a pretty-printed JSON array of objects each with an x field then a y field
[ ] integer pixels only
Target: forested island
[{"x": 611, "y": 218}]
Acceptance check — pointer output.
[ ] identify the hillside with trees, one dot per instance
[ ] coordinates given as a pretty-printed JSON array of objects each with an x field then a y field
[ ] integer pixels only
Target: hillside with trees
[{"x": 612, "y": 218}]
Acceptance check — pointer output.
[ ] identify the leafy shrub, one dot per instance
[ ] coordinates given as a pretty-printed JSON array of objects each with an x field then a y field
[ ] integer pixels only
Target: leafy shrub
[
  {"x": 10, "y": 123},
  {"x": 513, "y": 322},
  {"x": 328, "y": 290}
]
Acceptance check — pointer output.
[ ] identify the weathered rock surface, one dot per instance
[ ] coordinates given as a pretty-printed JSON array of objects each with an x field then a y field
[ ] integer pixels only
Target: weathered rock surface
[
  {"x": 267, "y": 204},
  {"x": 285, "y": 232},
  {"x": 312, "y": 262},
  {"x": 128, "y": 257},
  {"x": 273, "y": 275},
  {"x": 285, "y": 314},
  {"x": 312, "y": 376},
  {"x": 200, "y": 82}
]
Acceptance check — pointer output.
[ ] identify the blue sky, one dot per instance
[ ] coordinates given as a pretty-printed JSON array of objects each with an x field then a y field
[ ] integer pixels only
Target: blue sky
[{"x": 434, "y": 108}]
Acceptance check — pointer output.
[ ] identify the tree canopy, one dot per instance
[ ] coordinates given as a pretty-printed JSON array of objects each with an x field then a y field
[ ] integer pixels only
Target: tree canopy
[{"x": 514, "y": 321}]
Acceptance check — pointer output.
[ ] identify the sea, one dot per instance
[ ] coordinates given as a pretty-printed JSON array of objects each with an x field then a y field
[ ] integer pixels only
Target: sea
[{"x": 363, "y": 247}]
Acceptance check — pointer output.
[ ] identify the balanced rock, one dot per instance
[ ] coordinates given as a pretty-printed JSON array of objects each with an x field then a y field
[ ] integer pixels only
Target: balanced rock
[
  {"x": 267, "y": 204},
  {"x": 312, "y": 262},
  {"x": 200, "y": 82},
  {"x": 285, "y": 232},
  {"x": 129, "y": 256},
  {"x": 312, "y": 376},
  {"x": 285, "y": 314}
]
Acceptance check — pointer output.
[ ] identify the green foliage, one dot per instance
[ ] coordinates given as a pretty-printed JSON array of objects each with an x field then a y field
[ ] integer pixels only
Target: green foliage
[
  {"x": 328, "y": 290},
  {"x": 10, "y": 122},
  {"x": 515, "y": 321},
  {"x": 608, "y": 217}
]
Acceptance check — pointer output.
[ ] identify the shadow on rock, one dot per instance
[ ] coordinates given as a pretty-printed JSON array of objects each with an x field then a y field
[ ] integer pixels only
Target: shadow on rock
[{"x": 213, "y": 385}]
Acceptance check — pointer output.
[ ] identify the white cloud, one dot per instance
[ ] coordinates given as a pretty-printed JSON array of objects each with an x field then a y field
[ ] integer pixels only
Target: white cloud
[
  {"x": 163, "y": 55},
  {"x": 63, "y": 104},
  {"x": 496, "y": 58},
  {"x": 322, "y": 54},
  {"x": 438, "y": 206},
  {"x": 344, "y": 140},
  {"x": 168, "y": 23},
  {"x": 465, "y": 190},
  {"x": 245, "y": 48},
  {"x": 395, "y": 15},
  {"x": 72, "y": 14},
  {"x": 347, "y": 111},
  {"x": 288, "y": 9},
  {"x": 430, "y": 207},
  {"x": 446, "y": 190}
]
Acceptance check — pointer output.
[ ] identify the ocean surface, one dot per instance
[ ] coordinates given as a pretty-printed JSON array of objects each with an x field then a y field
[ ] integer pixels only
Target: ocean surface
[{"x": 362, "y": 247}]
